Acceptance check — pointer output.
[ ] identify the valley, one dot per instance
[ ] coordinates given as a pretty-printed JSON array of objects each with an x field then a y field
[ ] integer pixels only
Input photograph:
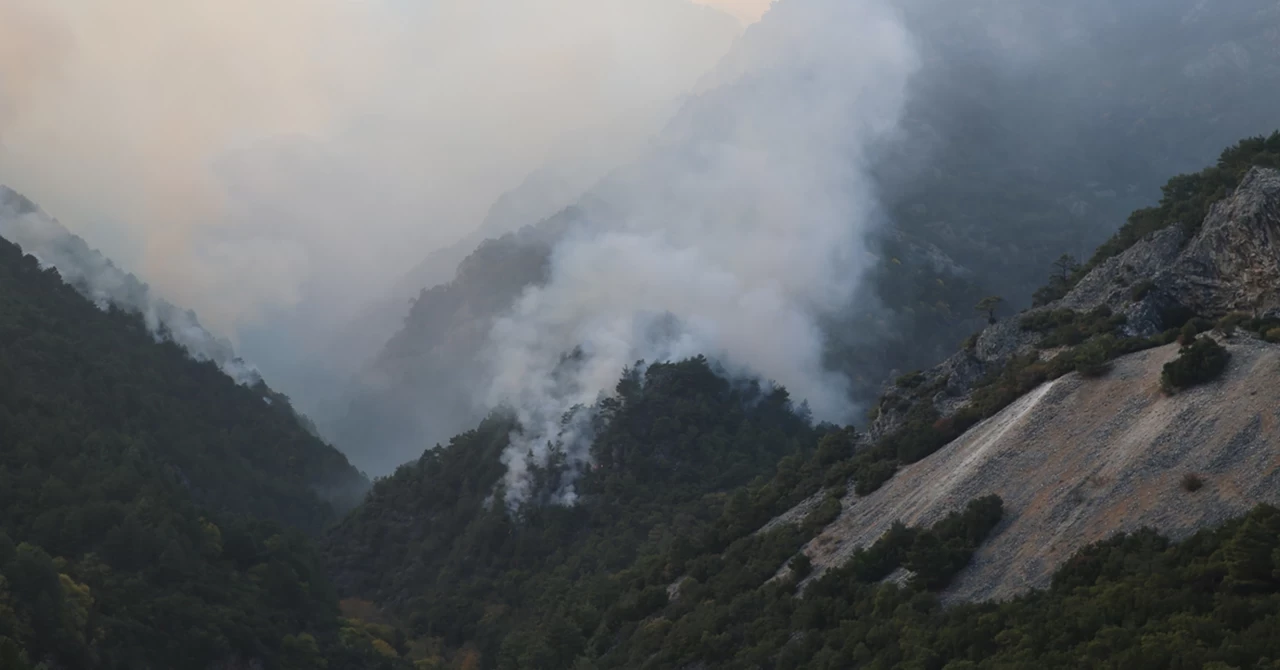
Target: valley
[{"x": 917, "y": 336}]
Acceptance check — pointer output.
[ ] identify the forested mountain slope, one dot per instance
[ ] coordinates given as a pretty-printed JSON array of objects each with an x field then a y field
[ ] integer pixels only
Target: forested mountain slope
[
  {"x": 153, "y": 512},
  {"x": 1001, "y": 168},
  {"x": 436, "y": 543},
  {"x": 1096, "y": 423},
  {"x": 402, "y": 398},
  {"x": 23, "y": 223}
]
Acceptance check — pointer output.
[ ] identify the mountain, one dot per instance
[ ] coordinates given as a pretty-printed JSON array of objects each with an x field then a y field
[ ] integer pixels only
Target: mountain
[
  {"x": 542, "y": 194},
  {"x": 1076, "y": 458},
  {"x": 436, "y": 544},
  {"x": 1000, "y": 168},
  {"x": 1079, "y": 459},
  {"x": 1099, "y": 464},
  {"x": 154, "y": 511},
  {"x": 419, "y": 389},
  {"x": 94, "y": 275}
]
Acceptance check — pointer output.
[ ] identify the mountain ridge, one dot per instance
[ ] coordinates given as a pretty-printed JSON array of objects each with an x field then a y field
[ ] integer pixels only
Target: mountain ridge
[
  {"x": 24, "y": 223},
  {"x": 1226, "y": 267},
  {"x": 154, "y": 513}
]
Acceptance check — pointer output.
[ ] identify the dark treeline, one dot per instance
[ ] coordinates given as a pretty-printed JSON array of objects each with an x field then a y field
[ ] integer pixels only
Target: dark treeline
[{"x": 153, "y": 514}]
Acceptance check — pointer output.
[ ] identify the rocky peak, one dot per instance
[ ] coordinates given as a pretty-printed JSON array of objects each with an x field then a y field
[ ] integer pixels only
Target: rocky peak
[{"x": 1232, "y": 264}]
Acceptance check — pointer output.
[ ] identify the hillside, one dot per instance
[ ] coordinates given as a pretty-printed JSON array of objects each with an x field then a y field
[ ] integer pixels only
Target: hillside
[
  {"x": 1003, "y": 474},
  {"x": 1079, "y": 459},
  {"x": 422, "y": 386},
  {"x": 23, "y": 223},
  {"x": 999, "y": 170},
  {"x": 153, "y": 511},
  {"x": 435, "y": 543}
]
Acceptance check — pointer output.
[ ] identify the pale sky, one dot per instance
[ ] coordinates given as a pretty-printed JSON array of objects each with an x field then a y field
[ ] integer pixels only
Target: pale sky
[{"x": 748, "y": 10}]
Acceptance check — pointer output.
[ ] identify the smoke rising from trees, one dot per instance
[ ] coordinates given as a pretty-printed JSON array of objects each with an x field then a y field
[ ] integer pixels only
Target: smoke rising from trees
[{"x": 733, "y": 241}]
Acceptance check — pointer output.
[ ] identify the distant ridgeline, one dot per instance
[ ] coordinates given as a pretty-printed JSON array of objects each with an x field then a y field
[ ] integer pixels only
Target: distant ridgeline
[
  {"x": 685, "y": 547},
  {"x": 153, "y": 512},
  {"x": 99, "y": 280}
]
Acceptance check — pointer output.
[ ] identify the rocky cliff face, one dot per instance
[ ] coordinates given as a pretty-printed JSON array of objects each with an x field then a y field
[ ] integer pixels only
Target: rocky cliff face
[
  {"x": 1232, "y": 264},
  {"x": 1077, "y": 460}
]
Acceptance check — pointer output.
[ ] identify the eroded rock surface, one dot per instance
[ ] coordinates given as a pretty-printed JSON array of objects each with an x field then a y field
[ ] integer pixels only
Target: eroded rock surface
[{"x": 1078, "y": 460}]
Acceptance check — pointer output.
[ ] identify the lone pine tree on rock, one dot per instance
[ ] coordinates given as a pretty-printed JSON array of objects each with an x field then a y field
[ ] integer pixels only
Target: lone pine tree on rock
[{"x": 989, "y": 305}]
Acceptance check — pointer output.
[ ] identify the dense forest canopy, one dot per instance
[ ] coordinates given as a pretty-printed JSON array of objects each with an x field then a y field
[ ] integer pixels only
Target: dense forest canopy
[{"x": 153, "y": 513}]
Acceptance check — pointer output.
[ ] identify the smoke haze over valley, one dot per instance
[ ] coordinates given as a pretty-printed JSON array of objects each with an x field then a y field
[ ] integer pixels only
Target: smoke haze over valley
[
  {"x": 787, "y": 189},
  {"x": 277, "y": 165},
  {"x": 619, "y": 334}
]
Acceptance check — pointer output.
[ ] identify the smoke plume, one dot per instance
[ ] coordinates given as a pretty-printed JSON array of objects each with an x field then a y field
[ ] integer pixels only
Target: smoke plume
[
  {"x": 282, "y": 162},
  {"x": 102, "y": 282},
  {"x": 733, "y": 240}
]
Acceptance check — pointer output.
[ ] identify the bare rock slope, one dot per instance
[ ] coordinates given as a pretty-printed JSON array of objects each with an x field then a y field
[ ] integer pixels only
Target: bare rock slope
[{"x": 1078, "y": 460}]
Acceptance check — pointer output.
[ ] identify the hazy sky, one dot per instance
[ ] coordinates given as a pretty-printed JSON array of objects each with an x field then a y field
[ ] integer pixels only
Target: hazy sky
[{"x": 252, "y": 157}]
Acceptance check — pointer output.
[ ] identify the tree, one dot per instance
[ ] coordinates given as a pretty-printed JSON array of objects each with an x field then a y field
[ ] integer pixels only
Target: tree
[
  {"x": 1066, "y": 265},
  {"x": 988, "y": 305}
]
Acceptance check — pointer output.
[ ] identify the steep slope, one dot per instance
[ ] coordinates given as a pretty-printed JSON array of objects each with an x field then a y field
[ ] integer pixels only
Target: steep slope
[
  {"x": 1208, "y": 250},
  {"x": 424, "y": 384},
  {"x": 541, "y": 195},
  {"x": 96, "y": 277},
  {"x": 436, "y": 544},
  {"x": 152, "y": 509},
  {"x": 1077, "y": 460},
  {"x": 101, "y": 371},
  {"x": 1067, "y": 413},
  {"x": 1001, "y": 169}
]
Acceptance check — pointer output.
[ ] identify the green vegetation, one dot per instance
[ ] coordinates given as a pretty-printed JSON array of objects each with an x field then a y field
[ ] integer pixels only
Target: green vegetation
[
  {"x": 1199, "y": 362},
  {"x": 1187, "y": 198},
  {"x": 1060, "y": 281},
  {"x": 1141, "y": 289},
  {"x": 988, "y": 306},
  {"x": 595, "y": 585},
  {"x": 685, "y": 467},
  {"x": 910, "y": 380},
  {"x": 1067, "y": 328},
  {"x": 736, "y": 618},
  {"x": 83, "y": 383},
  {"x": 141, "y": 500},
  {"x": 1091, "y": 342},
  {"x": 154, "y": 514}
]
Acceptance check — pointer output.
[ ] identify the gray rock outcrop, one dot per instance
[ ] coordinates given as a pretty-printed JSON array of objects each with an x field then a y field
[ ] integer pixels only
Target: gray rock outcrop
[{"x": 1232, "y": 264}]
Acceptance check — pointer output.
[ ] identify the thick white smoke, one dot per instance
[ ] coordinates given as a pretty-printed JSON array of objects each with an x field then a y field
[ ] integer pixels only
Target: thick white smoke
[
  {"x": 283, "y": 162},
  {"x": 745, "y": 229},
  {"x": 101, "y": 281}
]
